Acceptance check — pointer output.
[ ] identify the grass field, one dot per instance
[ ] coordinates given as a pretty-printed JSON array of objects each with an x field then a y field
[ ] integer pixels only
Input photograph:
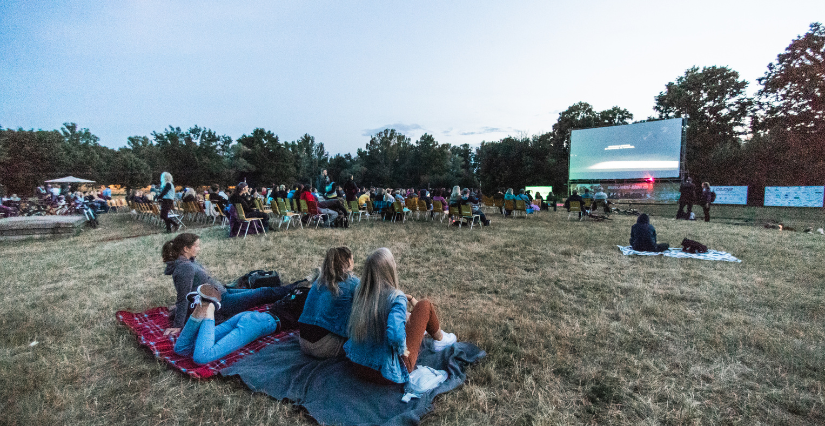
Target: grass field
[{"x": 574, "y": 331}]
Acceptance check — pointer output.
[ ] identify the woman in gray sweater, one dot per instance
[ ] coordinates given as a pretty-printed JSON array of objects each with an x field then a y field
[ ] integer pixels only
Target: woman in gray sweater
[{"x": 187, "y": 275}]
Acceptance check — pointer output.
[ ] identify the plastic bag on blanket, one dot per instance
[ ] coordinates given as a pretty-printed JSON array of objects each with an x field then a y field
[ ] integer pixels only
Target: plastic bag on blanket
[{"x": 423, "y": 380}]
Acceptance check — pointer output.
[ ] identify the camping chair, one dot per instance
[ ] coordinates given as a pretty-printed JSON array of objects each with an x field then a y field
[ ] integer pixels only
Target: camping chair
[
  {"x": 422, "y": 207},
  {"x": 412, "y": 206},
  {"x": 455, "y": 214},
  {"x": 398, "y": 209},
  {"x": 310, "y": 208},
  {"x": 287, "y": 214},
  {"x": 354, "y": 208},
  {"x": 588, "y": 202},
  {"x": 575, "y": 207},
  {"x": 600, "y": 204},
  {"x": 521, "y": 206},
  {"x": 112, "y": 205},
  {"x": 438, "y": 209},
  {"x": 243, "y": 219},
  {"x": 511, "y": 206},
  {"x": 467, "y": 213}
]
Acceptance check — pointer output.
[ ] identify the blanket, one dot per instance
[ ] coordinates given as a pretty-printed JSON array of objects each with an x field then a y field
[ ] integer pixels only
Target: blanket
[
  {"x": 332, "y": 394},
  {"x": 149, "y": 326},
  {"x": 677, "y": 252}
]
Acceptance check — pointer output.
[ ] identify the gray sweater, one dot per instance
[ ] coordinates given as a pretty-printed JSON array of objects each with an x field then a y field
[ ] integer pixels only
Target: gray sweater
[{"x": 187, "y": 275}]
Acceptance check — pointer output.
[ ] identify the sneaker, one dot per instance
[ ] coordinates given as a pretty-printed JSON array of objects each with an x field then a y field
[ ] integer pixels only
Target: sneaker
[
  {"x": 210, "y": 293},
  {"x": 194, "y": 299},
  {"x": 447, "y": 340}
]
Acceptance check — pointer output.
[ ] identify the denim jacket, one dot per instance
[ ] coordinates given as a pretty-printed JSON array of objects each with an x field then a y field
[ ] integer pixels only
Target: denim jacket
[
  {"x": 385, "y": 356},
  {"x": 327, "y": 311}
]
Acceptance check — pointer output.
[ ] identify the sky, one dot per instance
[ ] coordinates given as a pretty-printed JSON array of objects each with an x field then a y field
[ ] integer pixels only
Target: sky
[{"x": 462, "y": 71}]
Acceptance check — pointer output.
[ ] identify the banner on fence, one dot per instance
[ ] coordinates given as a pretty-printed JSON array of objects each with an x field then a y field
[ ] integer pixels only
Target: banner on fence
[
  {"x": 794, "y": 196},
  {"x": 730, "y": 194}
]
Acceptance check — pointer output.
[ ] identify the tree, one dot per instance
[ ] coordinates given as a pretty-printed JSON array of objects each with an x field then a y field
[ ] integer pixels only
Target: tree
[
  {"x": 30, "y": 157},
  {"x": 129, "y": 170},
  {"x": 271, "y": 163},
  {"x": 792, "y": 96},
  {"x": 716, "y": 106}
]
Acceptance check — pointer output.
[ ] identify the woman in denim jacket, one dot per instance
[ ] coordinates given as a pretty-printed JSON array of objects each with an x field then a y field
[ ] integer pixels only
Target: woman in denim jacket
[
  {"x": 323, "y": 324},
  {"x": 384, "y": 341}
]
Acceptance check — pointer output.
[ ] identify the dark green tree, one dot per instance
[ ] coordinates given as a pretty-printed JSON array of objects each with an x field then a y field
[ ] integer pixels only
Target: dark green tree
[
  {"x": 792, "y": 96},
  {"x": 30, "y": 157},
  {"x": 271, "y": 163},
  {"x": 716, "y": 107}
]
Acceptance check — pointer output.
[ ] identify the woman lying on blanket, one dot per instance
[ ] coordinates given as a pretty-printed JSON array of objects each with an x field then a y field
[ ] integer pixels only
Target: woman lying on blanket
[
  {"x": 205, "y": 342},
  {"x": 187, "y": 274},
  {"x": 384, "y": 341},
  {"x": 323, "y": 324}
]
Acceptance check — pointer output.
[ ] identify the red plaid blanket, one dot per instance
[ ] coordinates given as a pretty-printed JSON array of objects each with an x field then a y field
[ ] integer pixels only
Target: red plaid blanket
[{"x": 149, "y": 326}]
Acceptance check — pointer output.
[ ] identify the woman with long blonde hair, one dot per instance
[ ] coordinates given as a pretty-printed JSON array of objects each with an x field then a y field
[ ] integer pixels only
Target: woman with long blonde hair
[{"x": 383, "y": 343}]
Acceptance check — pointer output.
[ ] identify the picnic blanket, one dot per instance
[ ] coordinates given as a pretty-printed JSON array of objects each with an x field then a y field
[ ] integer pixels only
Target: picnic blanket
[
  {"x": 149, "y": 326},
  {"x": 677, "y": 252},
  {"x": 331, "y": 392}
]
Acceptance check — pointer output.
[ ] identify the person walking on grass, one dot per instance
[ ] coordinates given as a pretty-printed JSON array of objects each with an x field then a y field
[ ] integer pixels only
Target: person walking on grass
[
  {"x": 323, "y": 323},
  {"x": 188, "y": 275},
  {"x": 167, "y": 200},
  {"x": 381, "y": 332}
]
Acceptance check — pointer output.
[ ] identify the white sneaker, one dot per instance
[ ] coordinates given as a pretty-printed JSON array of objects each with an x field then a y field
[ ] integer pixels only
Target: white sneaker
[{"x": 447, "y": 340}]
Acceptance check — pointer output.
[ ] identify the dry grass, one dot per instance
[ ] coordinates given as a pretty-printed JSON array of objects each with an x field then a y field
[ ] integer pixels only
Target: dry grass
[{"x": 575, "y": 332}]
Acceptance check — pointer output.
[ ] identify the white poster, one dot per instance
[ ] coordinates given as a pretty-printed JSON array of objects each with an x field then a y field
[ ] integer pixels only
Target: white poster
[
  {"x": 730, "y": 194},
  {"x": 794, "y": 196}
]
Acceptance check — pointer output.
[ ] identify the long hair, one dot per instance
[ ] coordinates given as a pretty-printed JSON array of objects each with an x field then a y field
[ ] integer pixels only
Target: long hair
[
  {"x": 173, "y": 248},
  {"x": 371, "y": 303},
  {"x": 334, "y": 268},
  {"x": 456, "y": 192},
  {"x": 165, "y": 178}
]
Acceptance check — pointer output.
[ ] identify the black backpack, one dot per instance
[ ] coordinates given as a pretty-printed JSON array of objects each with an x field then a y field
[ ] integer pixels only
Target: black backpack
[
  {"x": 712, "y": 197},
  {"x": 259, "y": 278},
  {"x": 690, "y": 246}
]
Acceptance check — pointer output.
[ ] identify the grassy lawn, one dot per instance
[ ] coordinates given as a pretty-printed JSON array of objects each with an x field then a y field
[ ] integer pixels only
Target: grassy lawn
[{"x": 574, "y": 331}]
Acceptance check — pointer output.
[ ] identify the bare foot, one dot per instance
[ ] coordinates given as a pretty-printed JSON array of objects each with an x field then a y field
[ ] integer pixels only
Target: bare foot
[{"x": 204, "y": 310}]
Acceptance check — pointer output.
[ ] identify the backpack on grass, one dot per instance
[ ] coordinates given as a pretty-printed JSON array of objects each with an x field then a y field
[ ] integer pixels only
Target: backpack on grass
[
  {"x": 690, "y": 246},
  {"x": 259, "y": 278}
]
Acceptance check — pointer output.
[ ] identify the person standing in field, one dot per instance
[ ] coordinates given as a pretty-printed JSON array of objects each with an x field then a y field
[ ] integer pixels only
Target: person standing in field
[
  {"x": 687, "y": 192},
  {"x": 705, "y": 199},
  {"x": 167, "y": 200}
]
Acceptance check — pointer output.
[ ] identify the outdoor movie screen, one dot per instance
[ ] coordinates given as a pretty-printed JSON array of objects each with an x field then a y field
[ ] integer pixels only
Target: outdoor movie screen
[{"x": 633, "y": 151}]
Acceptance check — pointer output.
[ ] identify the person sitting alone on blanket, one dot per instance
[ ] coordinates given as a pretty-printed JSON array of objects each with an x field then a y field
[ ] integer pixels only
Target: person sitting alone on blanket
[
  {"x": 643, "y": 236},
  {"x": 381, "y": 331},
  {"x": 205, "y": 342},
  {"x": 323, "y": 324},
  {"x": 179, "y": 254}
]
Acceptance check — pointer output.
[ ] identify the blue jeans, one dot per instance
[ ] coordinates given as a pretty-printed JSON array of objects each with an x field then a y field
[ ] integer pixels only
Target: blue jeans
[
  {"x": 205, "y": 342},
  {"x": 235, "y": 301}
]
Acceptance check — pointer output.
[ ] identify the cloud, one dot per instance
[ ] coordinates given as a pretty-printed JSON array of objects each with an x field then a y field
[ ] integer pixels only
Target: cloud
[
  {"x": 486, "y": 130},
  {"x": 401, "y": 127}
]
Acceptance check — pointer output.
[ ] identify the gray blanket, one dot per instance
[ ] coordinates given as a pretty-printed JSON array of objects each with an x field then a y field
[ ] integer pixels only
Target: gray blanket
[{"x": 333, "y": 395}]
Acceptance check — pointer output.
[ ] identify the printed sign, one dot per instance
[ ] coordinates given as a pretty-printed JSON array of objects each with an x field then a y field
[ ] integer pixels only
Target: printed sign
[
  {"x": 730, "y": 194},
  {"x": 794, "y": 196}
]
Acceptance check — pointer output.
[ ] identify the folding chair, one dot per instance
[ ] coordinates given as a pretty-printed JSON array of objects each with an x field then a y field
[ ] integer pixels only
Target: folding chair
[
  {"x": 289, "y": 215},
  {"x": 438, "y": 209},
  {"x": 575, "y": 207},
  {"x": 355, "y": 208},
  {"x": 422, "y": 207},
  {"x": 521, "y": 207},
  {"x": 311, "y": 209},
  {"x": 243, "y": 219},
  {"x": 511, "y": 206},
  {"x": 412, "y": 206},
  {"x": 455, "y": 212},
  {"x": 398, "y": 209},
  {"x": 467, "y": 213}
]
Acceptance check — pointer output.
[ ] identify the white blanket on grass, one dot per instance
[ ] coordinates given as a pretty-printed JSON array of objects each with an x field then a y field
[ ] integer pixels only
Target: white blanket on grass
[{"x": 677, "y": 252}]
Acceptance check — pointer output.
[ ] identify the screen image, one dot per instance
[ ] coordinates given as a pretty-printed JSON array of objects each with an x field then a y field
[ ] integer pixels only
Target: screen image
[{"x": 633, "y": 151}]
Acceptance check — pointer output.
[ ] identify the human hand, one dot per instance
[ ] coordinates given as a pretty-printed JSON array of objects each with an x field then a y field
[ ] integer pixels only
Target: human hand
[
  {"x": 407, "y": 353},
  {"x": 169, "y": 331},
  {"x": 413, "y": 301}
]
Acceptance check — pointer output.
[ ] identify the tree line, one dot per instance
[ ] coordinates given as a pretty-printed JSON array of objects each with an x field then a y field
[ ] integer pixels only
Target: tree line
[{"x": 776, "y": 137}]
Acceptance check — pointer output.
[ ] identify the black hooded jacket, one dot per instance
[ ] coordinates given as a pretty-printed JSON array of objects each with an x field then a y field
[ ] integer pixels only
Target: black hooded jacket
[{"x": 643, "y": 234}]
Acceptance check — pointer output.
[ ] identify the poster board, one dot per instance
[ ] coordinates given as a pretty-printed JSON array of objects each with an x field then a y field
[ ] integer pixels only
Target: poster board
[
  {"x": 737, "y": 195},
  {"x": 794, "y": 196}
]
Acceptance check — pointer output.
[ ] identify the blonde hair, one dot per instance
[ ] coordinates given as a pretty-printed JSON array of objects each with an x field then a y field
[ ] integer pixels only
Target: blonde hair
[
  {"x": 165, "y": 178},
  {"x": 372, "y": 299},
  {"x": 456, "y": 192},
  {"x": 334, "y": 268}
]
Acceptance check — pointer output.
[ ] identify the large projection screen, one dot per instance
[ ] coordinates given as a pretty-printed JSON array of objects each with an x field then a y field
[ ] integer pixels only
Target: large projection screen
[{"x": 633, "y": 151}]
